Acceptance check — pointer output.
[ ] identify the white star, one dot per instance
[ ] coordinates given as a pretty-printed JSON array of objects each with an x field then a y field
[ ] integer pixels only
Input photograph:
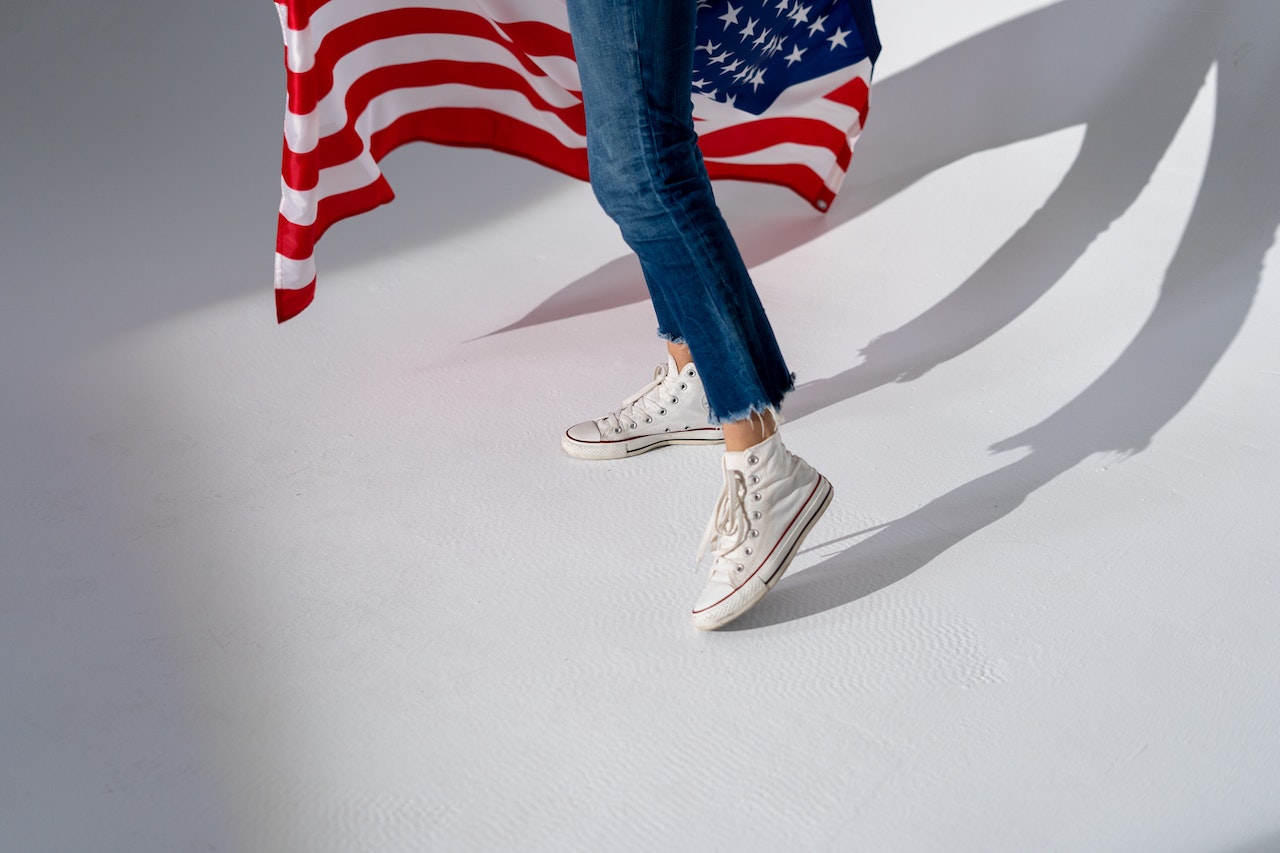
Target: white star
[
  {"x": 794, "y": 56},
  {"x": 760, "y": 38},
  {"x": 698, "y": 84},
  {"x": 709, "y": 47},
  {"x": 729, "y": 99},
  {"x": 757, "y": 80},
  {"x": 775, "y": 45},
  {"x": 749, "y": 30},
  {"x": 721, "y": 57},
  {"x": 731, "y": 16},
  {"x": 783, "y": 6},
  {"x": 744, "y": 74},
  {"x": 838, "y": 38},
  {"x": 817, "y": 25},
  {"x": 731, "y": 67},
  {"x": 800, "y": 14}
]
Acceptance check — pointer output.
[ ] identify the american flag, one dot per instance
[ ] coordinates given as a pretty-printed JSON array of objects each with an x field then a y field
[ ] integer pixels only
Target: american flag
[{"x": 780, "y": 92}]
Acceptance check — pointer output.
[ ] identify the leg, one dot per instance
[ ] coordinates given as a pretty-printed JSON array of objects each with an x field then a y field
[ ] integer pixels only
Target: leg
[{"x": 635, "y": 61}]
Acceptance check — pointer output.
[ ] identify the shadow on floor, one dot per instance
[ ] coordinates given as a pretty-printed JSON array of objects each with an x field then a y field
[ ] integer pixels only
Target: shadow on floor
[{"x": 1205, "y": 297}]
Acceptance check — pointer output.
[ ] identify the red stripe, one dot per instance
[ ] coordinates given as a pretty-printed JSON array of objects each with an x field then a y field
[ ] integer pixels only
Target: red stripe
[
  {"x": 854, "y": 94},
  {"x": 800, "y": 179},
  {"x": 289, "y": 303},
  {"x": 300, "y": 11},
  {"x": 294, "y": 241},
  {"x": 300, "y": 171},
  {"x": 763, "y": 133},
  {"x": 477, "y": 128}
]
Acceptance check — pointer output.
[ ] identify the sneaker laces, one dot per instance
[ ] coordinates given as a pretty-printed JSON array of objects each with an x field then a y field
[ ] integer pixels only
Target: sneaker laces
[
  {"x": 729, "y": 526},
  {"x": 636, "y": 407}
]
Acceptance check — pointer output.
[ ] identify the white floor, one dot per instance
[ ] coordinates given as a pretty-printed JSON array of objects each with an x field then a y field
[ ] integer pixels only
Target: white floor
[{"x": 331, "y": 586}]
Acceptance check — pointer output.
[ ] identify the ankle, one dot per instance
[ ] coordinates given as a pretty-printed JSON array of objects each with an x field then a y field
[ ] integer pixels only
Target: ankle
[
  {"x": 680, "y": 353},
  {"x": 748, "y": 432}
]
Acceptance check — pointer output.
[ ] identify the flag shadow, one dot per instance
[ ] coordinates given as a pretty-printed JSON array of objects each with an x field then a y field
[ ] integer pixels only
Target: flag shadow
[
  {"x": 1013, "y": 82},
  {"x": 1205, "y": 297}
]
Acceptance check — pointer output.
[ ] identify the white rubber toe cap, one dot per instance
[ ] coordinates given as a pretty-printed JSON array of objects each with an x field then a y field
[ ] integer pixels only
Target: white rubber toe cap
[{"x": 587, "y": 431}]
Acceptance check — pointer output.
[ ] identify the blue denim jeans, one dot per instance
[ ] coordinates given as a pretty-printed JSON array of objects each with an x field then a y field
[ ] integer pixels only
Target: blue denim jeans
[{"x": 635, "y": 58}]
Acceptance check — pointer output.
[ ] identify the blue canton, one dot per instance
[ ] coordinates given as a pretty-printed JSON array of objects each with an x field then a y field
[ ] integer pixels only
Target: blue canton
[{"x": 749, "y": 52}]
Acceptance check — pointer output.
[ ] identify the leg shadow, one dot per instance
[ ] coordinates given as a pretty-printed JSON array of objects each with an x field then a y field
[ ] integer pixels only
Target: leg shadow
[{"x": 1208, "y": 290}]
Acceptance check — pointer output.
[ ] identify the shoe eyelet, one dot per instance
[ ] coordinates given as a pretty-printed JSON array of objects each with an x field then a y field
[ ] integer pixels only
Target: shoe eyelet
[
  {"x": 747, "y": 551},
  {"x": 756, "y": 496},
  {"x": 754, "y": 479},
  {"x": 739, "y": 568},
  {"x": 617, "y": 430},
  {"x": 755, "y": 534},
  {"x": 675, "y": 400},
  {"x": 635, "y": 425},
  {"x": 648, "y": 420},
  {"x": 662, "y": 411},
  {"x": 753, "y": 460},
  {"x": 756, "y": 514},
  {"x": 684, "y": 387}
]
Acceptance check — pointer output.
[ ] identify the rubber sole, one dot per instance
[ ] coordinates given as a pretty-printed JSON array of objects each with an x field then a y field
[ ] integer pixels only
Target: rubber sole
[{"x": 621, "y": 449}]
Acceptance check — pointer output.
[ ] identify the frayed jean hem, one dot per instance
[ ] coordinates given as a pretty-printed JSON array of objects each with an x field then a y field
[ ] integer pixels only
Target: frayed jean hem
[
  {"x": 755, "y": 410},
  {"x": 678, "y": 340}
]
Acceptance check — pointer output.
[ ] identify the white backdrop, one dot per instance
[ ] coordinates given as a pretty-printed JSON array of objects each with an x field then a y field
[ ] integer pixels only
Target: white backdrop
[{"x": 332, "y": 585}]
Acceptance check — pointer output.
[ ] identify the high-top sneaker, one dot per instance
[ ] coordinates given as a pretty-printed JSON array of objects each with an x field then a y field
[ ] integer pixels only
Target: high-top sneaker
[
  {"x": 771, "y": 499},
  {"x": 672, "y": 409}
]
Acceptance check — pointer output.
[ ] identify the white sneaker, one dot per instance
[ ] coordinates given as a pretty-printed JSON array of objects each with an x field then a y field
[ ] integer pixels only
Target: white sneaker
[
  {"x": 672, "y": 409},
  {"x": 771, "y": 499}
]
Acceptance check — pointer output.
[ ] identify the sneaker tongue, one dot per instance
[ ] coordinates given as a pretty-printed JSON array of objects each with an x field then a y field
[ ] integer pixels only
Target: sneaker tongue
[{"x": 672, "y": 370}]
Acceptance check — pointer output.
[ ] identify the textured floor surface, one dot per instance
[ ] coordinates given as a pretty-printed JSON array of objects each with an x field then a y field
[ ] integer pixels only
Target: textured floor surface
[{"x": 332, "y": 586}]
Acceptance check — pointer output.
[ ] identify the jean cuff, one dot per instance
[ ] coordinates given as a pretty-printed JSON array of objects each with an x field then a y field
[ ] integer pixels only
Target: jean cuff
[{"x": 756, "y": 410}]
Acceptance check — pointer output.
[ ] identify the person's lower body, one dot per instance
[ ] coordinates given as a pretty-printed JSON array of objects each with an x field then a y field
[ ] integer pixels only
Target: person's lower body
[{"x": 635, "y": 59}]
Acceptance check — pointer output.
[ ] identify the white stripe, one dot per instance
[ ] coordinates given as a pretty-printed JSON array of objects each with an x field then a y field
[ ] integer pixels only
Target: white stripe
[
  {"x": 302, "y": 44},
  {"x": 294, "y": 274},
  {"x": 844, "y": 119},
  {"x": 821, "y": 161}
]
